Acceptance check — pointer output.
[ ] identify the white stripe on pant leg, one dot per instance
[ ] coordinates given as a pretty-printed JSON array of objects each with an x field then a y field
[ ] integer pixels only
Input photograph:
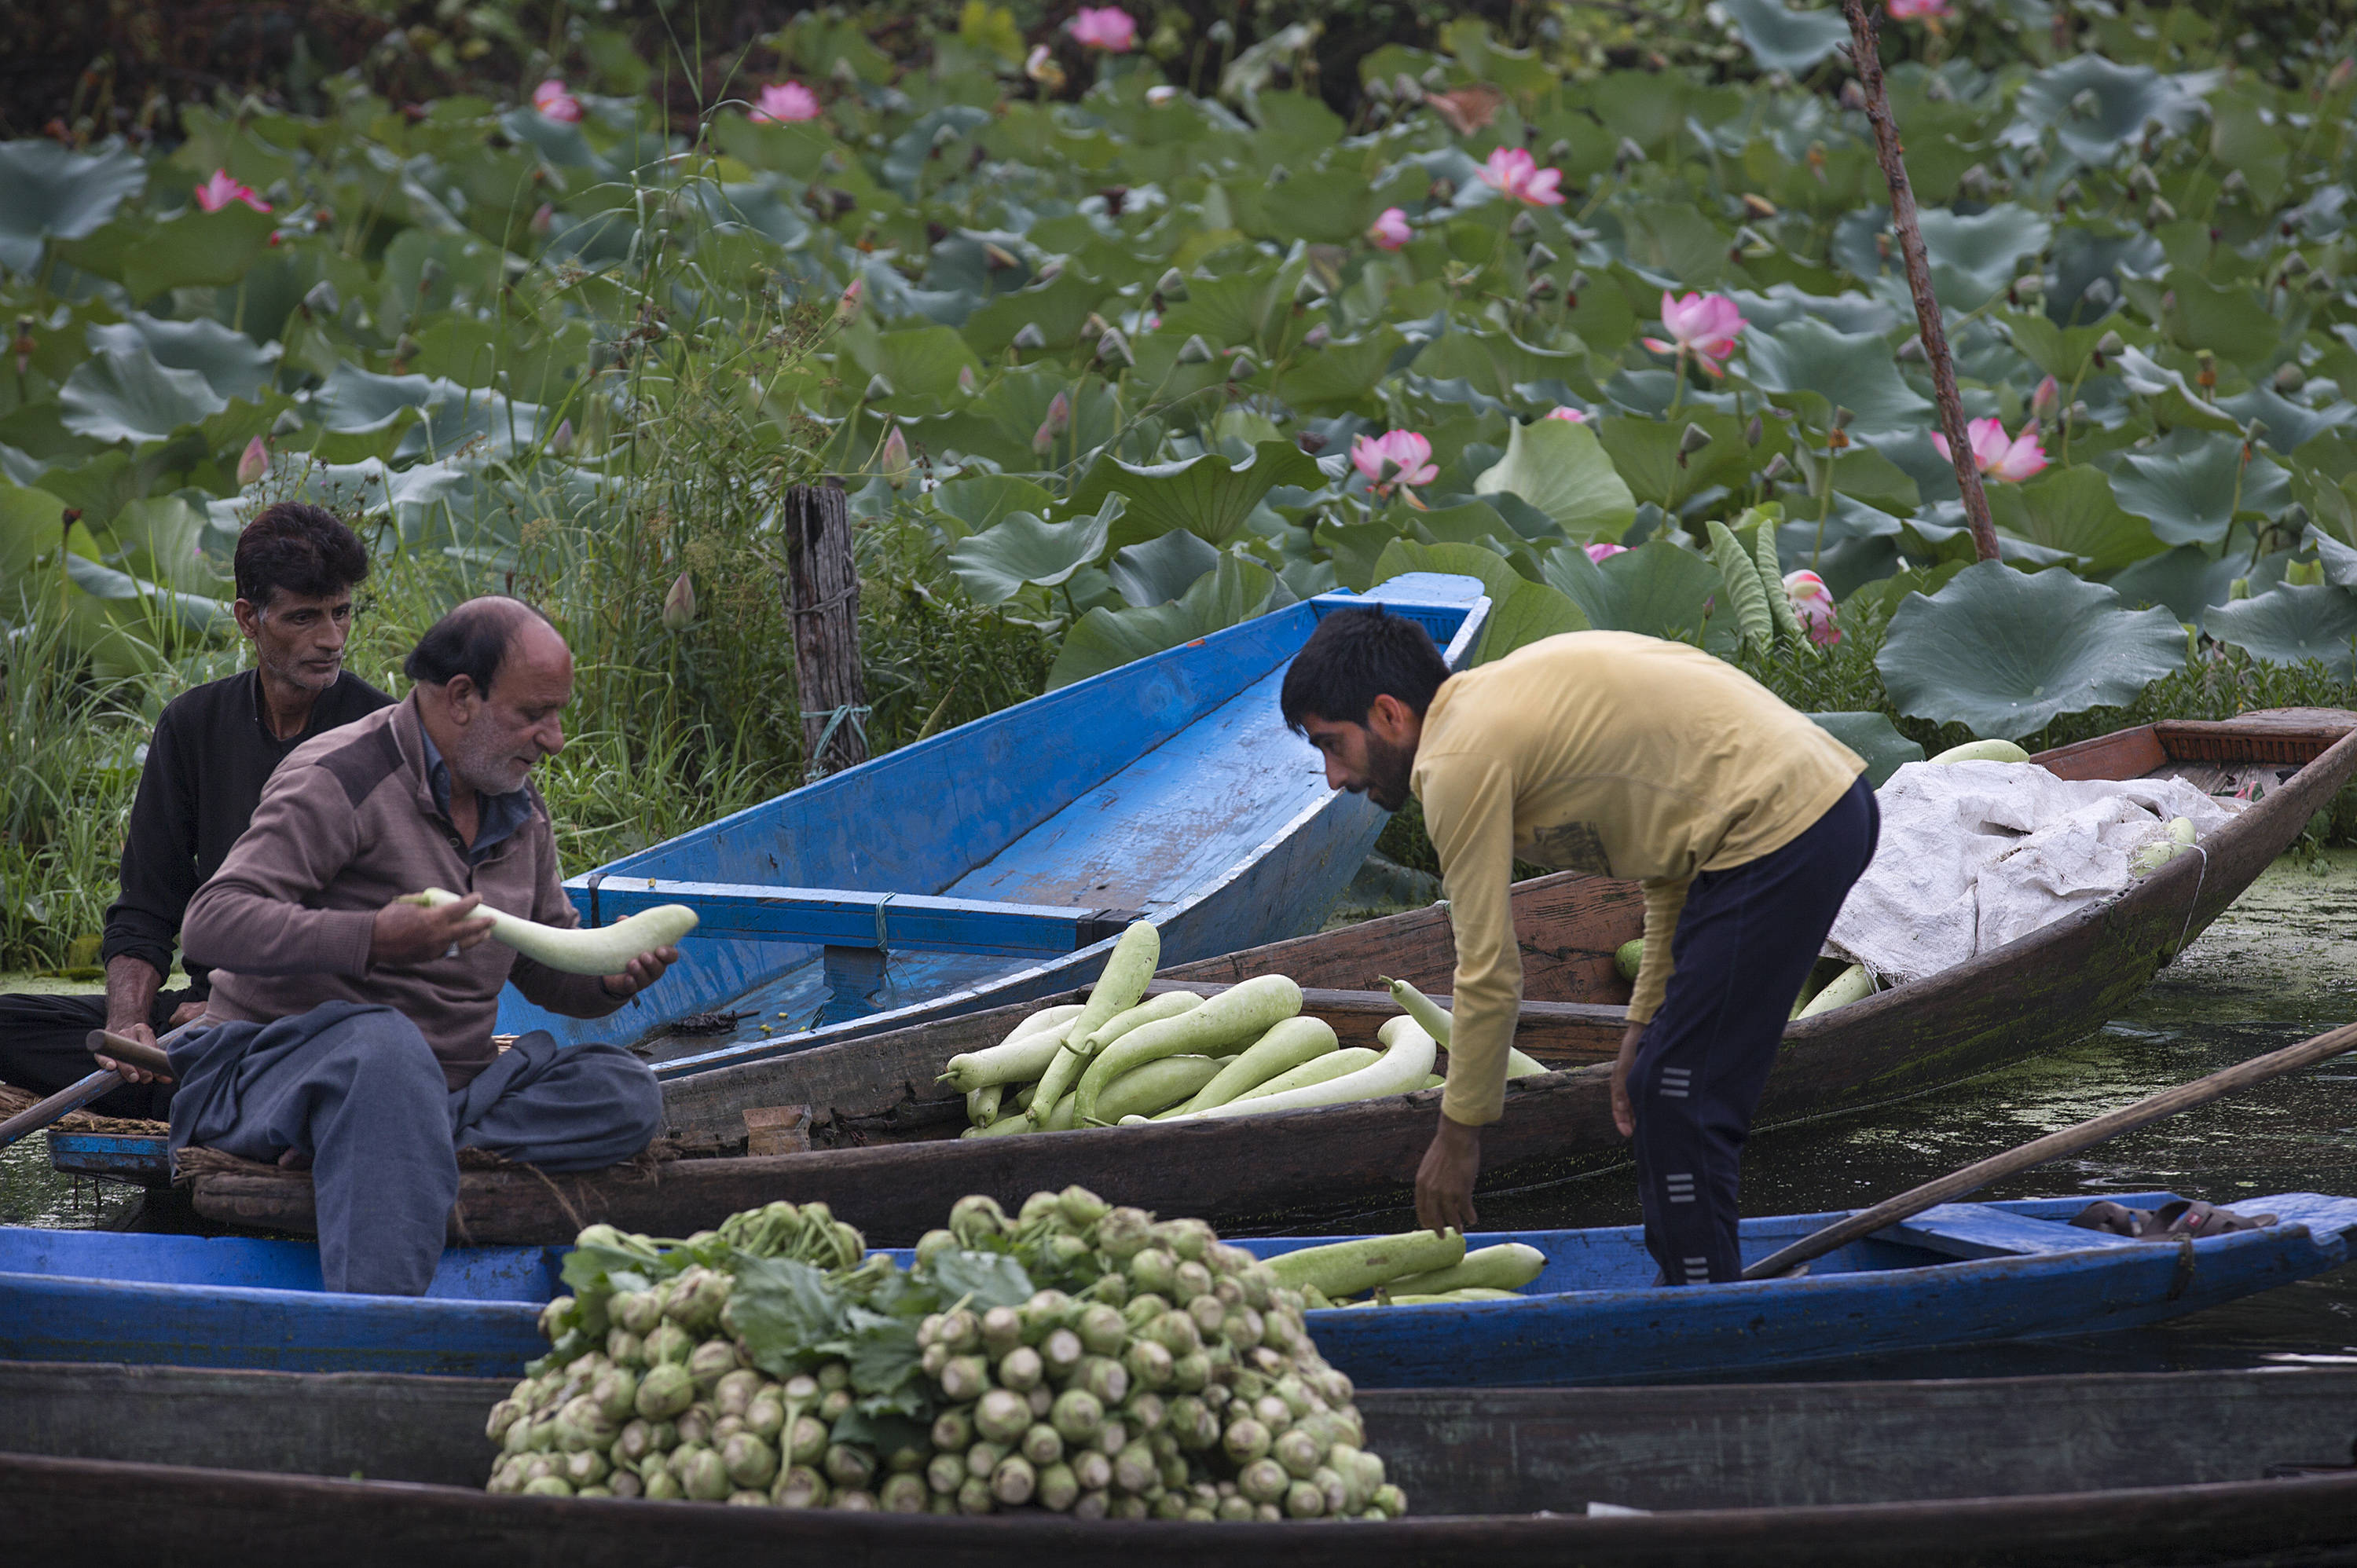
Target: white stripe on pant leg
[
  {"x": 1697, "y": 1266},
  {"x": 1680, "y": 1187}
]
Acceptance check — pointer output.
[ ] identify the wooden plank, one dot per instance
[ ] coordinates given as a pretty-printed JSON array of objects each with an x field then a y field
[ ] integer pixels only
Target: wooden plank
[
  {"x": 1975, "y": 1231},
  {"x": 841, "y": 917},
  {"x": 2123, "y": 754}
]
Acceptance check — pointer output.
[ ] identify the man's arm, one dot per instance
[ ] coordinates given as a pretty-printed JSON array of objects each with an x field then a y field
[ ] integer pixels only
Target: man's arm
[
  {"x": 1468, "y": 810},
  {"x": 574, "y": 995},
  {"x": 256, "y": 917},
  {"x": 159, "y": 876}
]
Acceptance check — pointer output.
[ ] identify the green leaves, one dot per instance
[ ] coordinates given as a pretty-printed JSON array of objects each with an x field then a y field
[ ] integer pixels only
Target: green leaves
[
  {"x": 2096, "y": 108},
  {"x": 1107, "y": 639},
  {"x": 983, "y": 1280},
  {"x": 1521, "y": 611},
  {"x": 2003, "y": 653},
  {"x": 995, "y": 565},
  {"x": 1780, "y": 39},
  {"x": 1558, "y": 467},
  {"x": 123, "y": 395},
  {"x": 2193, "y": 485},
  {"x": 2288, "y": 625},
  {"x": 1207, "y": 495},
  {"x": 1817, "y": 369},
  {"x": 48, "y": 192},
  {"x": 1739, "y": 575}
]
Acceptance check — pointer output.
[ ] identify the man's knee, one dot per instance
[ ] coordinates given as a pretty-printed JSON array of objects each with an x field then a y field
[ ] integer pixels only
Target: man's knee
[{"x": 382, "y": 1054}]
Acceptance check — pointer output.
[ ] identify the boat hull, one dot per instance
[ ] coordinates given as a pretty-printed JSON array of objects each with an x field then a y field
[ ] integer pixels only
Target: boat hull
[{"x": 2144, "y": 1468}]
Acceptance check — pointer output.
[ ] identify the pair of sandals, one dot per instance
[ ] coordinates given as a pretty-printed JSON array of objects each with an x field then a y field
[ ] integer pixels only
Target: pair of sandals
[{"x": 2178, "y": 1219}]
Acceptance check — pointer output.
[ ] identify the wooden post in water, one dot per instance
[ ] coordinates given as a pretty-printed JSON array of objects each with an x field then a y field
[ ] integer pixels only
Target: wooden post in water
[{"x": 821, "y": 594}]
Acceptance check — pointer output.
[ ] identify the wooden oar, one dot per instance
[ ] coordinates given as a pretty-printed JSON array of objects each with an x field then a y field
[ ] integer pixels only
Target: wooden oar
[
  {"x": 2054, "y": 1145},
  {"x": 76, "y": 1095}
]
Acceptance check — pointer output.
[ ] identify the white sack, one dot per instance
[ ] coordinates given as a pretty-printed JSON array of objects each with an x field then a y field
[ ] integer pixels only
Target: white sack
[{"x": 1973, "y": 854}]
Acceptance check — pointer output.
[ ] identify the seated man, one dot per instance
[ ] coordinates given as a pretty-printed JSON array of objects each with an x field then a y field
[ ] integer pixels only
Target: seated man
[
  {"x": 296, "y": 568},
  {"x": 357, "y": 1030}
]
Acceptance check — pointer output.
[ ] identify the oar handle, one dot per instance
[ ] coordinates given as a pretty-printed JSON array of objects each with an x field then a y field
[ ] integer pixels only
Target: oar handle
[
  {"x": 2054, "y": 1145},
  {"x": 124, "y": 1048}
]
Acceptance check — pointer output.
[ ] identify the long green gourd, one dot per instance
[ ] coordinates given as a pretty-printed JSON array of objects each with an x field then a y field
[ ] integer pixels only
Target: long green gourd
[
  {"x": 1316, "y": 1069},
  {"x": 1347, "y": 1268},
  {"x": 1018, "y": 1059},
  {"x": 1437, "y": 1023},
  {"x": 1401, "y": 1069},
  {"x": 1128, "y": 972},
  {"x": 598, "y": 950},
  {"x": 1281, "y": 1050},
  {"x": 1152, "y": 1010},
  {"x": 1243, "y": 1011},
  {"x": 1508, "y": 1266}
]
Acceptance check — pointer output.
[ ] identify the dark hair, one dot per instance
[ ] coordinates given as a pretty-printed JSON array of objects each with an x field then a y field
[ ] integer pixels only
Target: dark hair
[
  {"x": 471, "y": 640},
  {"x": 1354, "y": 657},
  {"x": 301, "y": 548}
]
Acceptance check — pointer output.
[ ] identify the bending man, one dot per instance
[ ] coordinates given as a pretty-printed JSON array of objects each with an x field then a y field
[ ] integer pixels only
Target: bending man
[
  {"x": 213, "y": 748},
  {"x": 358, "y": 1033},
  {"x": 1628, "y": 756}
]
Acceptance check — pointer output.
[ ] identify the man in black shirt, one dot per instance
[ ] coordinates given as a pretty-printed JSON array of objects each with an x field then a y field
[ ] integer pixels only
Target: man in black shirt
[{"x": 214, "y": 747}]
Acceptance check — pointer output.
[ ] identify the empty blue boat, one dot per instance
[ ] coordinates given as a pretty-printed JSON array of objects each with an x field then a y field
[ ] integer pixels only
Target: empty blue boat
[
  {"x": 998, "y": 862},
  {"x": 1960, "y": 1275}
]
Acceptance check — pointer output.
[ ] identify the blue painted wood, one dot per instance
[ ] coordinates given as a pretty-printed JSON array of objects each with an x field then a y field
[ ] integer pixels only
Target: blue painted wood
[
  {"x": 839, "y": 917},
  {"x": 113, "y": 1155},
  {"x": 1592, "y": 1316},
  {"x": 1170, "y": 787},
  {"x": 80, "y": 1296},
  {"x": 1976, "y": 1230}
]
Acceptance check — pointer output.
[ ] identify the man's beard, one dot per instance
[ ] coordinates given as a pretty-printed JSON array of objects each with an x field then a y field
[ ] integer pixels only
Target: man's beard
[
  {"x": 487, "y": 764},
  {"x": 1389, "y": 770}
]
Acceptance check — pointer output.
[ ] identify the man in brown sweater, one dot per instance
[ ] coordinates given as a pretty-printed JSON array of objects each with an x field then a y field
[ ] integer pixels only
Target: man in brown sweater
[{"x": 355, "y": 1031}]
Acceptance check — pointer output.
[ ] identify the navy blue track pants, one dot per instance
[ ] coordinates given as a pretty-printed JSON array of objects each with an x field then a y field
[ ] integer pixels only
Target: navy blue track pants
[{"x": 1745, "y": 943}]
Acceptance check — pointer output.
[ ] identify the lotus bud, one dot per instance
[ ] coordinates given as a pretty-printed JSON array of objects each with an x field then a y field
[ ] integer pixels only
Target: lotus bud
[
  {"x": 1112, "y": 347},
  {"x": 2158, "y": 212},
  {"x": 879, "y": 389},
  {"x": 287, "y": 423},
  {"x": 1523, "y": 226},
  {"x": 1093, "y": 328},
  {"x": 2289, "y": 378},
  {"x": 1058, "y": 421},
  {"x": 1628, "y": 153},
  {"x": 679, "y": 605},
  {"x": 321, "y": 299},
  {"x": 254, "y": 464},
  {"x": 1028, "y": 338},
  {"x": 897, "y": 468},
  {"x": 1195, "y": 351},
  {"x": 2110, "y": 346},
  {"x": 560, "y": 441},
  {"x": 1172, "y": 285},
  {"x": 1776, "y": 470},
  {"x": 1853, "y": 97}
]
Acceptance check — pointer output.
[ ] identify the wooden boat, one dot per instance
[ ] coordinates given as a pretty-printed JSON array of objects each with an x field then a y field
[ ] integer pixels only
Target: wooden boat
[
  {"x": 885, "y": 1155},
  {"x": 999, "y": 860},
  {"x": 1961, "y": 1273},
  {"x": 136, "y": 1466}
]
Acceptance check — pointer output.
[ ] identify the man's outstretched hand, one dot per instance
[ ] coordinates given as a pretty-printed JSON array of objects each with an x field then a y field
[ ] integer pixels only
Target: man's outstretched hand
[
  {"x": 1624, "y": 1113},
  {"x": 411, "y": 933},
  {"x": 645, "y": 971},
  {"x": 1444, "y": 1182}
]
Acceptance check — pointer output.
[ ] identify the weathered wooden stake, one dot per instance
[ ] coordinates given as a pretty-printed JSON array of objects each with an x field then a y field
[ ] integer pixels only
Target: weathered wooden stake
[
  {"x": 1867, "y": 57},
  {"x": 822, "y": 594}
]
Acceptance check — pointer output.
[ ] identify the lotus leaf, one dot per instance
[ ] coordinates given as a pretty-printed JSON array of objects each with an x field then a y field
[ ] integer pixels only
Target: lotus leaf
[
  {"x": 995, "y": 565},
  {"x": 123, "y": 395},
  {"x": 1876, "y": 740},
  {"x": 2194, "y": 484},
  {"x": 2287, "y": 425},
  {"x": 1843, "y": 369},
  {"x": 1521, "y": 611},
  {"x": 48, "y": 192},
  {"x": 1783, "y": 39},
  {"x": 1973, "y": 258},
  {"x": 1559, "y": 468},
  {"x": 2125, "y": 98},
  {"x": 1161, "y": 569},
  {"x": 2187, "y": 580},
  {"x": 2289, "y": 624},
  {"x": 2073, "y": 510},
  {"x": 1107, "y": 639},
  {"x": 232, "y": 364},
  {"x": 1645, "y": 452},
  {"x": 977, "y": 500},
  {"x": 1206, "y": 496},
  {"x": 1657, "y": 588},
  {"x": 2003, "y": 652}
]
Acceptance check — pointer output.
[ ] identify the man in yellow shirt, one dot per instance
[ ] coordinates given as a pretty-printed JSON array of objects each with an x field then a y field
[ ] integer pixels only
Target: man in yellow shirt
[{"x": 1628, "y": 756}]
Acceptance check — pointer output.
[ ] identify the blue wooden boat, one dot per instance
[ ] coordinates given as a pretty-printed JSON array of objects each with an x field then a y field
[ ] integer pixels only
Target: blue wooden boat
[
  {"x": 1961, "y": 1273},
  {"x": 998, "y": 862}
]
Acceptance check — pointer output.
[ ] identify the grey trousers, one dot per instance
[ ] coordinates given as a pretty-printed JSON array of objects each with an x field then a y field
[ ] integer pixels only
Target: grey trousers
[{"x": 359, "y": 1091}]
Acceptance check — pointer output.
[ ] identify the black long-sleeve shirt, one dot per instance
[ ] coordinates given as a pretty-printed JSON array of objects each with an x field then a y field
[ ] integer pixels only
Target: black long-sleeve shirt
[{"x": 211, "y": 754}]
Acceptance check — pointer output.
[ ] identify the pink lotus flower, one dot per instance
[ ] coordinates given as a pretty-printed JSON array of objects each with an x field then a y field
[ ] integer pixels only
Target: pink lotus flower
[
  {"x": 2045, "y": 400},
  {"x": 1515, "y": 174},
  {"x": 848, "y": 306},
  {"x": 1813, "y": 603},
  {"x": 221, "y": 190},
  {"x": 1702, "y": 325},
  {"x": 1920, "y": 10},
  {"x": 783, "y": 102},
  {"x": 1996, "y": 456},
  {"x": 254, "y": 464},
  {"x": 1390, "y": 230},
  {"x": 1106, "y": 28},
  {"x": 1394, "y": 458},
  {"x": 551, "y": 99},
  {"x": 1569, "y": 415},
  {"x": 543, "y": 218},
  {"x": 1602, "y": 552}
]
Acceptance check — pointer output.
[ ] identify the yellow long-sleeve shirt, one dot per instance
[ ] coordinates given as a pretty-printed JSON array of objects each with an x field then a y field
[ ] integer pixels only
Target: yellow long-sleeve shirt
[{"x": 1610, "y": 753}]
